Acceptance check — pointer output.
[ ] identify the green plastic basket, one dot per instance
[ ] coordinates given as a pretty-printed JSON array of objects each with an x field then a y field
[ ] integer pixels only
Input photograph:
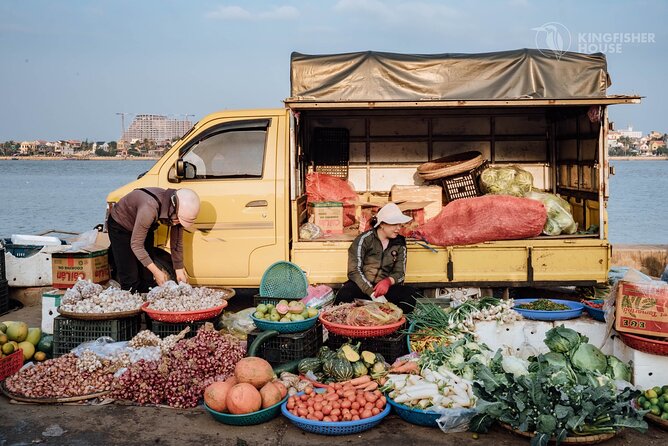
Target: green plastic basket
[
  {"x": 248, "y": 419},
  {"x": 284, "y": 280}
]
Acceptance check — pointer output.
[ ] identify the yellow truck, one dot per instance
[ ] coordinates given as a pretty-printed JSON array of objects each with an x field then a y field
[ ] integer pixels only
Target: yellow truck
[{"x": 373, "y": 118}]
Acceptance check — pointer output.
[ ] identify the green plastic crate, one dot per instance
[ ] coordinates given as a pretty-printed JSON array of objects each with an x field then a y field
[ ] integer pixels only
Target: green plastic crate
[{"x": 69, "y": 333}]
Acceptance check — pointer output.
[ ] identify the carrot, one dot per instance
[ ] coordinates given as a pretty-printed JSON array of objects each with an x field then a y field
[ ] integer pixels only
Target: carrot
[
  {"x": 361, "y": 380},
  {"x": 371, "y": 386}
]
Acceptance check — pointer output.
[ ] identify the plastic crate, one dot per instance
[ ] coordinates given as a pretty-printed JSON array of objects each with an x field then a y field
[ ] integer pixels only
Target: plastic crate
[
  {"x": 11, "y": 364},
  {"x": 257, "y": 300},
  {"x": 391, "y": 347},
  {"x": 164, "y": 329},
  {"x": 3, "y": 270},
  {"x": 69, "y": 333},
  {"x": 288, "y": 347},
  {"x": 4, "y": 296},
  {"x": 331, "y": 151},
  {"x": 463, "y": 185}
]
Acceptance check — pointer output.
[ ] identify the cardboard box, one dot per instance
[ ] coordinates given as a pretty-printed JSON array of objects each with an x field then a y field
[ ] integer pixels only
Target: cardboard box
[
  {"x": 433, "y": 195},
  {"x": 90, "y": 263},
  {"x": 642, "y": 308},
  {"x": 328, "y": 215}
]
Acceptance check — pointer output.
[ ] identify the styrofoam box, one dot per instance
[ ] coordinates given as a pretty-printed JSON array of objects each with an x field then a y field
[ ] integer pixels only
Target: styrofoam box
[
  {"x": 50, "y": 304},
  {"x": 648, "y": 370},
  {"x": 532, "y": 332},
  {"x": 34, "y": 270}
]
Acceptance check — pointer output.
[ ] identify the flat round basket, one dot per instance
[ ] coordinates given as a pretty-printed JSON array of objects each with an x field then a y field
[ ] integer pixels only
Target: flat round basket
[
  {"x": 663, "y": 424},
  {"x": 99, "y": 316},
  {"x": 362, "y": 332},
  {"x": 284, "y": 280},
  {"x": 71, "y": 399},
  {"x": 334, "y": 428},
  {"x": 450, "y": 165},
  {"x": 248, "y": 419},
  {"x": 183, "y": 316},
  {"x": 285, "y": 327},
  {"x": 644, "y": 344},
  {"x": 579, "y": 439},
  {"x": 574, "y": 310},
  {"x": 415, "y": 416}
]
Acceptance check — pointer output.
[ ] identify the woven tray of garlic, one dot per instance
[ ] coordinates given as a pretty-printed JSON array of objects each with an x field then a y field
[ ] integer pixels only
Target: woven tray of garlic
[
  {"x": 87, "y": 300},
  {"x": 183, "y": 297}
]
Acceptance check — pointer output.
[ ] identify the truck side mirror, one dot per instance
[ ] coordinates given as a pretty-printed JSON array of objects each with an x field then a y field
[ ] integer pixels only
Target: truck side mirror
[{"x": 184, "y": 170}]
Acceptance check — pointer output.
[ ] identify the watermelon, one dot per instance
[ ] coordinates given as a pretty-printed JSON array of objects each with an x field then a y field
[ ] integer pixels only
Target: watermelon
[{"x": 45, "y": 345}]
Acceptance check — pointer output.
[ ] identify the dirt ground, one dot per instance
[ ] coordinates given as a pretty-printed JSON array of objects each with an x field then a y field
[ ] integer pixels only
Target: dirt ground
[{"x": 113, "y": 424}]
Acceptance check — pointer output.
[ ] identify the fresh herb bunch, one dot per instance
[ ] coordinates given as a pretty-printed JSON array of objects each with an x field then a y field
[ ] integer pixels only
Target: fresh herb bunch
[{"x": 544, "y": 305}]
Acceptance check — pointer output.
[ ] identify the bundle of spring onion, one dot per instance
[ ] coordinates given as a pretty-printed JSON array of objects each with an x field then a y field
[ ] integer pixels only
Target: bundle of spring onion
[
  {"x": 432, "y": 390},
  {"x": 433, "y": 325}
]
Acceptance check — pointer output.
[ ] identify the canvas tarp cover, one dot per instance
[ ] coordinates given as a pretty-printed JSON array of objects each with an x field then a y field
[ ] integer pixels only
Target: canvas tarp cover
[{"x": 375, "y": 76}]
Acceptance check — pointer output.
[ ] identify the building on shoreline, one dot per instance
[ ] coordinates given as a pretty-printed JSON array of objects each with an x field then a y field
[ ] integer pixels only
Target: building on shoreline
[{"x": 157, "y": 128}]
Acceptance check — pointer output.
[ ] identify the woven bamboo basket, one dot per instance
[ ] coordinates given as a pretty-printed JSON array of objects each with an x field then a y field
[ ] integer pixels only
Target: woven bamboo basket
[
  {"x": 579, "y": 440},
  {"x": 663, "y": 424},
  {"x": 450, "y": 165},
  {"x": 71, "y": 399}
]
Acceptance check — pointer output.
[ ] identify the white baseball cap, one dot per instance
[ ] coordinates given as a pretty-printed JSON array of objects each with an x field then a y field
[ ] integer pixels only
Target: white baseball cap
[{"x": 392, "y": 215}]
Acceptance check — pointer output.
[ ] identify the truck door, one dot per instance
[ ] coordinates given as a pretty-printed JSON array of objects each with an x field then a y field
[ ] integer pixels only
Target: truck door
[{"x": 231, "y": 164}]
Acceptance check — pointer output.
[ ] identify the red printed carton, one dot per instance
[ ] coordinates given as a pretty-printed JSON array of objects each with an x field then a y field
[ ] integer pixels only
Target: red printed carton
[{"x": 642, "y": 308}]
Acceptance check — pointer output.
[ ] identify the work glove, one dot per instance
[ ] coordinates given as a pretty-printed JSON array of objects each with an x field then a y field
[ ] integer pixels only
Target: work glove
[{"x": 382, "y": 287}]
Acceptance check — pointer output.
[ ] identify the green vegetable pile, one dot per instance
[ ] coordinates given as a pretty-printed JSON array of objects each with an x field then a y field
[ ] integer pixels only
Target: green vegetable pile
[
  {"x": 544, "y": 305},
  {"x": 655, "y": 400},
  {"x": 461, "y": 357},
  {"x": 569, "y": 391}
]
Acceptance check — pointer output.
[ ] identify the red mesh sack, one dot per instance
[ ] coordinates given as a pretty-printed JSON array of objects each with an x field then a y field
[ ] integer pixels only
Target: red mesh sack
[
  {"x": 323, "y": 187},
  {"x": 490, "y": 217}
]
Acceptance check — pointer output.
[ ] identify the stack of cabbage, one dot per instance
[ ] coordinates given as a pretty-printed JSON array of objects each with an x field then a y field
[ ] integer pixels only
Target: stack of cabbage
[
  {"x": 559, "y": 214},
  {"x": 506, "y": 180}
]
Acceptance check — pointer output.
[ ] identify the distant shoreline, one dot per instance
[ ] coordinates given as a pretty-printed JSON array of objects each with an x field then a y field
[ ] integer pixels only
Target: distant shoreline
[
  {"x": 88, "y": 158},
  {"x": 638, "y": 158}
]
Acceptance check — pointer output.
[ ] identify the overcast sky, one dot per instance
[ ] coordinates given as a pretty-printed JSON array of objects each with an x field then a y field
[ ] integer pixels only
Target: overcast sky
[{"x": 67, "y": 67}]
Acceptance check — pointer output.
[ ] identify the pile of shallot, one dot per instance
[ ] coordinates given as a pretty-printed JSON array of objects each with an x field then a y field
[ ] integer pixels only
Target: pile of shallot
[{"x": 180, "y": 377}]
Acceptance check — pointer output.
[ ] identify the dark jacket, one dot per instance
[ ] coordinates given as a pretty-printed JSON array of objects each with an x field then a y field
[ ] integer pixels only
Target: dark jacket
[
  {"x": 368, "y": 263},
  {"x": 137, "y": 212}
]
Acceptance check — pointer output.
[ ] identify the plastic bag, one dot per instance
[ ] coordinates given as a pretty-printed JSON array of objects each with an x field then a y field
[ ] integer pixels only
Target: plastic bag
[
  {"x": 106, "y": 348},
  {"x": 310, "y": 231},
  {"x": 239, "y": 324},
  {"x": 559, "y": 213},
  {"x": 83, "y": 240},
  {"x": 323, "y": 187},
  {"x": 318, "y": 296},
  {"x": 507, "y": 180},
  {"x": 455, "y": 420}
]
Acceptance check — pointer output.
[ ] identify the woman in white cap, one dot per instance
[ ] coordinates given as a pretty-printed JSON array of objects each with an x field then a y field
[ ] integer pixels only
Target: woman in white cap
[
  {"x": 377, "y": 262},
  {"x": 131, "y": 224}
]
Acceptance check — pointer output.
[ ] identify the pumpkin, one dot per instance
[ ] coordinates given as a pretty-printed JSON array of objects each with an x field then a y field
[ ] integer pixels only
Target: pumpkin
[
  {"x": 243, "y": 398},
  {"x": 216, "y": 393},
  {"x": 309, "y": 365},
  {"x": 270, "y": 395},
  {"x": 281, "y": 387},
  {"x": 359, "y": 369},
  {"x": 254, "y": 371},
  {"x": 342, "y": 370}
]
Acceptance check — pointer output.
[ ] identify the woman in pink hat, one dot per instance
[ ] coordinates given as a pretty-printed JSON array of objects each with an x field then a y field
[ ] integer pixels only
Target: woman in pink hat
[{"x": 377, "y": 263}]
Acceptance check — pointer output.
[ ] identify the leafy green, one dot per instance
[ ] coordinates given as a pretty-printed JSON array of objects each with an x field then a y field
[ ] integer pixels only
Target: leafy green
[
  {"x": 561, "y": 339},
  {"x": 617, "y": 369},
  {"x": 562, "y": 393},
  {"x": 588, "y": 358}
]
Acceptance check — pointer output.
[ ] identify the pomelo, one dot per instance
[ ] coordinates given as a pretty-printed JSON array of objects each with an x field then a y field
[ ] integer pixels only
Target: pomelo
[{"x": 17, "y": 331}]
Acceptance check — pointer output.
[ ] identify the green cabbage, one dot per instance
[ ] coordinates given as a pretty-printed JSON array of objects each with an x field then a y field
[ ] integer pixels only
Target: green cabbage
[
  {"x": 617, "y": 369},
  {"x": 561, "y": 339},
  {"x": 508, "y": 180},
  {"x": 559, "y": 214},
  {"x": 586, "y": 357}
]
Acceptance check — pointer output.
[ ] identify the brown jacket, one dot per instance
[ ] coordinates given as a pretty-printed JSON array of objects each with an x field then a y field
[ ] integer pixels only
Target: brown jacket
[{"x": 138, "y": 212}]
